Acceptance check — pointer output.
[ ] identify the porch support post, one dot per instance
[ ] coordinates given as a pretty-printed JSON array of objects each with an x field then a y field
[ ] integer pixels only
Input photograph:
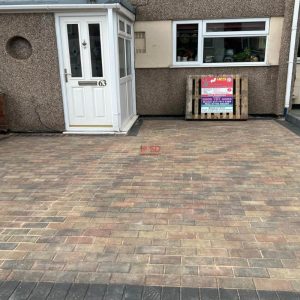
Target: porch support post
[{"x": 114, "y": 68}]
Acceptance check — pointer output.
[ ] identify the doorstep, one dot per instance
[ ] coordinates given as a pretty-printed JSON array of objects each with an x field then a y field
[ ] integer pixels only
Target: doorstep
[{"x": 124, "y": 131}]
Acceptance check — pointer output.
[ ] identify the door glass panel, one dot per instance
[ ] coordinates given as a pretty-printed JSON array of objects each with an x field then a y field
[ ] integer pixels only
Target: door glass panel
[
  {"x": 74, "y": 50},
  {"x": 122, "y": 57},
  {"x": 128, "y": 56},
  {"x": 95, "y": 45}
]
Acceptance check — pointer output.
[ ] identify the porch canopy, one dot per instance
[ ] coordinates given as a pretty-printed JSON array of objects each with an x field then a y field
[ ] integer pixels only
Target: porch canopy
[{"x": 56, "y": 5}]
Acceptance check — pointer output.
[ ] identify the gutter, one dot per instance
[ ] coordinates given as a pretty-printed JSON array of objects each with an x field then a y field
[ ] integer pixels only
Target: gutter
[
  {"x": 291, "y": 61},
  {"x": 55, "y": 7}
]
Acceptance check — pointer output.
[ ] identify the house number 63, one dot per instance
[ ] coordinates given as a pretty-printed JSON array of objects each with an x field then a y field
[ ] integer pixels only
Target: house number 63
[{"x": 102, "y": 83}]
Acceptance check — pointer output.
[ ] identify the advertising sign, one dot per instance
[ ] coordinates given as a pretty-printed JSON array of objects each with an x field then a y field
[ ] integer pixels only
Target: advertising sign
[{"x": 217, "y": 94}]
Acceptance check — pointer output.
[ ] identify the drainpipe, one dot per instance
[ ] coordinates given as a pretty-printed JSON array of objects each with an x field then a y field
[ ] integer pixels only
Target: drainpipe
[{"x": 292, "y": 57}]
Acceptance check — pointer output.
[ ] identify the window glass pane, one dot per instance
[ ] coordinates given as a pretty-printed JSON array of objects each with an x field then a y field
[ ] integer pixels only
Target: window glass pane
[
  {"x": 122, "y": 57},
  {"x": 187, "y": 42},
  {"x": 74, "y": 50},
  {"x": 128, "y": 29},
  {"x": 128, "y": 57},
  {"x": 96, "y": 55},
  {"x": 121, "y": 26},
  {"x": 234, "y": 49},
  {"x": 236, "y": 26}
]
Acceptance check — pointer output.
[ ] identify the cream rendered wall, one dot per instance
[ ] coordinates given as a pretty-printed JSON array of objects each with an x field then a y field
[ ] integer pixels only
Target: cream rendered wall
[
  {"x": 158, "y": 44},
  {"x": 274, "y": 43},
  {"x": 158, "y": 35}
]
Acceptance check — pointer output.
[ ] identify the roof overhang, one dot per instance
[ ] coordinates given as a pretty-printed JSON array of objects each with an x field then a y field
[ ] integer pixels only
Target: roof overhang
[{"x": 38, "y": 8}]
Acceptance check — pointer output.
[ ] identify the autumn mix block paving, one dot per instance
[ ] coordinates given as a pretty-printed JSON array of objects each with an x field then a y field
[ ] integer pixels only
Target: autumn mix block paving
[{"x": 217, "y": 207}]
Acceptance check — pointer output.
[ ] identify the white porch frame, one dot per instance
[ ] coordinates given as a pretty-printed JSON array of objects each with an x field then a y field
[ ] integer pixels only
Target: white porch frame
[{"x": 111, "y": 14}]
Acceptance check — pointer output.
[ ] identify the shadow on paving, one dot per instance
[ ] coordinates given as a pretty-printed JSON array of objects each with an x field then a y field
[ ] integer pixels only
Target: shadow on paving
[{"x": 14, "y": 290}]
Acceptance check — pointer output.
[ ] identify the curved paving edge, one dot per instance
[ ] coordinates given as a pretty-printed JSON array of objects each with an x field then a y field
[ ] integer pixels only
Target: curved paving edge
[{"x": 15, "y": 290}]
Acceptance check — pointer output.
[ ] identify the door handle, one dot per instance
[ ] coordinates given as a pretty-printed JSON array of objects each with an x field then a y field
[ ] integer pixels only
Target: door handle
[{"x": 66, "y": 75}]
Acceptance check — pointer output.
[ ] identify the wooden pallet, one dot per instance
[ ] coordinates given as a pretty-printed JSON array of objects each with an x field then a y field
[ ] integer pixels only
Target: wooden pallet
[{"x": 193, "y": 100}]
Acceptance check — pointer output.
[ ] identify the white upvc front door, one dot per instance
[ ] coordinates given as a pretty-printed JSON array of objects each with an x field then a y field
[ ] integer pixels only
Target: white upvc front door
[{"x": 84, "y": 44}]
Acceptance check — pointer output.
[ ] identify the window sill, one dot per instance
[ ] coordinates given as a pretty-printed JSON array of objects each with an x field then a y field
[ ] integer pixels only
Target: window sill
[{"x": 220, "y": 65}]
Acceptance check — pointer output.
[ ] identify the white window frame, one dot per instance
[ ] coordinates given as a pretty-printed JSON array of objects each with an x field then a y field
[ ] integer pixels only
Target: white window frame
[
  {"x": 202, "y": 33},
  {"x": 237, "y": 33},
  {"x": 187, "y": 63},
  {"x": 124, "y": 35}
]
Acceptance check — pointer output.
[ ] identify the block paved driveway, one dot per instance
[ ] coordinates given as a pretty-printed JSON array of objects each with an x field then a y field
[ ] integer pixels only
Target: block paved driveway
[{"x": 219, "y": 207}]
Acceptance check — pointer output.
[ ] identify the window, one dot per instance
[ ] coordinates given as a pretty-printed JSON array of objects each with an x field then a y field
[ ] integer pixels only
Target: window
[
  {"x": 128, "y": 57},
  {"x": 235, "y": 26},
  {"x": 125, "y": 46},
  {"x": 121, "y": 26},
  {"x": 220, "y": 42},
  {"x": 187, "y": 42},
  {"x": 122, "y": 59}
]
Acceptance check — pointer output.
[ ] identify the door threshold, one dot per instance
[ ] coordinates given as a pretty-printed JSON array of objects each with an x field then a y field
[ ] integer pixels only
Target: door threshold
[
  {"x": 94, "y": 132},
  {"x": 124, "y": 131}
]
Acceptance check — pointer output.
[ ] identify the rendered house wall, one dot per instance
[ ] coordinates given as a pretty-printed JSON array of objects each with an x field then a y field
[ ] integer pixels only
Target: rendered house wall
[{"x": 161, "y": 91}]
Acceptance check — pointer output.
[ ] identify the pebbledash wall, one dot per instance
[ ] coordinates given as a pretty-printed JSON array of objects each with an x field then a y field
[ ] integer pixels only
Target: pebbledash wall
[
  {"x": 161, "y": 86},
  {"x": 32, "y": 86}
]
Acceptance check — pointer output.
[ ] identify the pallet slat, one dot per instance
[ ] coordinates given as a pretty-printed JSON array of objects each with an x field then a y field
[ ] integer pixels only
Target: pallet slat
[
  {"x": 244, "y": 105},
  {"x": 197, "y": 97},
  {"x": 189, "y": 95},
  {"x": 193, "y": 97}
]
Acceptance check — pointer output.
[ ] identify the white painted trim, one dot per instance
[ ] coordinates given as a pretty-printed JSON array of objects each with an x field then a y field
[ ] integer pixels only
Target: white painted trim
[
  {"x": 126, "y": 13},
  {"x": 78, "y": 132},
  {"x": 65, "y": 7},
  {"x": 114, "y": 77},
  {"x": 56, "y": 7},
  {"x": 221, "y": 65},
  {"x": 291, "y": 61},
  {"x": 175, "y": 23},
  {"x": 130, "y": 123},
  {"x": 133, "y": 71},
  {"x": 82, "y": 14},
  {"x": 61, "y": 70},
  {"x": 124, "y": 33},
  {"x": 237, "y": 33},
  {"x": 200, "y": 44}
]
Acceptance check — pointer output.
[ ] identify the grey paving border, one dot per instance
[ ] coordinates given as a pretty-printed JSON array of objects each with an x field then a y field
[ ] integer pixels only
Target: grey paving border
[
  {"x": 134, "y": 131},
  {"x": 13, "y": 290},
  {"x": 295, "y": 129}
]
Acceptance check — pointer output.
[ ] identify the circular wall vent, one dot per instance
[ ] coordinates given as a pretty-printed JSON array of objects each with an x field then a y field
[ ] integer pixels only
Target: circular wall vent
[{"x": 19, "y": 47}]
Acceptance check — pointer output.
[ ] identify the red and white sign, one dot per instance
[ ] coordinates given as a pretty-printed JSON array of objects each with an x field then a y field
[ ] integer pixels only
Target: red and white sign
[{"x": 217, "y": 86}]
